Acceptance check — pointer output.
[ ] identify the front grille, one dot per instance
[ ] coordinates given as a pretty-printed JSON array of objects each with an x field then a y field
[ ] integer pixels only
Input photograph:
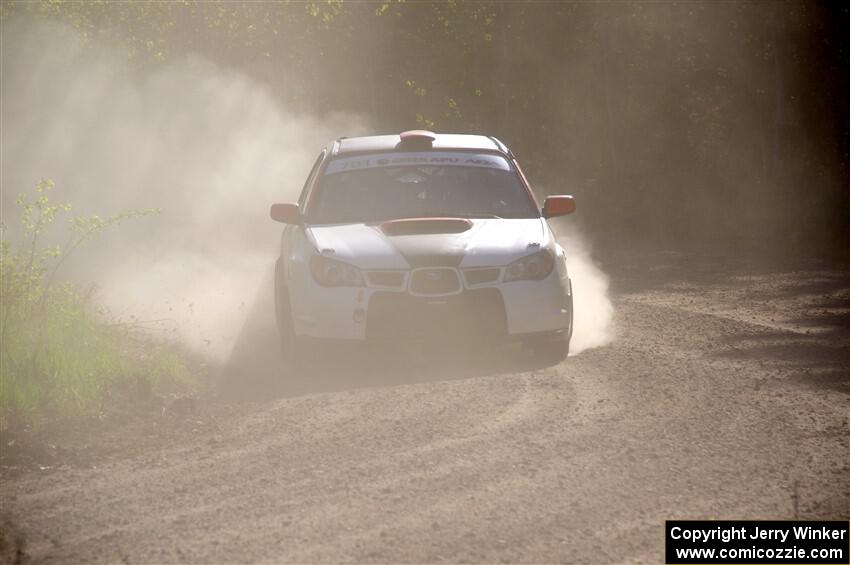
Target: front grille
[
  {"x": 471, "y": 314},
  {"x": 385, "y": 278},
  {"x": 434, "y": 281},
  {"x": 480, "y": 276}
]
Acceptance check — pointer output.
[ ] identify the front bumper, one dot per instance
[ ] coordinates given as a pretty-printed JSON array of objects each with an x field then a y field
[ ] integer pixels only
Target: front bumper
[
  {"x": 501, "y": 310},
  {"x": 471, "y": 314}
]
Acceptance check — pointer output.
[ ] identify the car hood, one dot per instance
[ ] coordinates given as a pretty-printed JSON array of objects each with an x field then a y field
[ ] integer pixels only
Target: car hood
[{"x": 486, "y": 242}]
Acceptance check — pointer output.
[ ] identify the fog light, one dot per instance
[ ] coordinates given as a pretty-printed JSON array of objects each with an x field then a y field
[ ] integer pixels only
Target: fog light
[{"x": 359, "y": 316}]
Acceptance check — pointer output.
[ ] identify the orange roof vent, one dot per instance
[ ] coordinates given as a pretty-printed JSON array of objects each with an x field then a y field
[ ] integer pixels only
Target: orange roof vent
[{"x": 418, "y": 136}]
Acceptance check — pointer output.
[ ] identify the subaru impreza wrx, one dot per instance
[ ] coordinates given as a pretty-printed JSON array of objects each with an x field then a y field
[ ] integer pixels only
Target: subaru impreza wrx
[{"x": 421, "y": 235}]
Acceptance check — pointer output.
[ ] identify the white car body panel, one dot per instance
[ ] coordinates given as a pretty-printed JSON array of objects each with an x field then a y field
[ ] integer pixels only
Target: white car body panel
[
  {"x": 531, "y": 306},
  {"x": 490, "y": 242}
]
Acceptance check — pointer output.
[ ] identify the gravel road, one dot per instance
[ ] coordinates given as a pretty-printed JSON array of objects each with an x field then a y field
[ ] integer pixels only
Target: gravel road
[{"x": 722, "y": 396}]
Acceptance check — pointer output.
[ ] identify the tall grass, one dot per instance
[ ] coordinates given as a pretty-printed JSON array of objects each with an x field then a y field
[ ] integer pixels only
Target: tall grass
[{"x": 57, "y": 356}]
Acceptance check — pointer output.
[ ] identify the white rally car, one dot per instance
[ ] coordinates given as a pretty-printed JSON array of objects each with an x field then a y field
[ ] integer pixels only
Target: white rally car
[{"x": 421, "y": 234}]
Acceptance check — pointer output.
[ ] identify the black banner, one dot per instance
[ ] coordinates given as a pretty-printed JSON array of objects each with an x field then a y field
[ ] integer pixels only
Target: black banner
[{"x": 693, "y": 542}]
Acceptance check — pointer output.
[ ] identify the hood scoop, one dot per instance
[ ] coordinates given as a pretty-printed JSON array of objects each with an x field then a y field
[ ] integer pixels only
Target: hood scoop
[{"x": 424, "y": 226}]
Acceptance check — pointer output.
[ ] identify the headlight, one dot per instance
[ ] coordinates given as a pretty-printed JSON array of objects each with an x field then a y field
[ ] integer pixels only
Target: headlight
[
  {"x": 330, "y": 272},
  {"x": 533, "y": 267}
]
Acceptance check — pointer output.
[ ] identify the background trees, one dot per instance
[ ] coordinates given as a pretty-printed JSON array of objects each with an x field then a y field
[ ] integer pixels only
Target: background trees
[{"x": 694, "y": 125}]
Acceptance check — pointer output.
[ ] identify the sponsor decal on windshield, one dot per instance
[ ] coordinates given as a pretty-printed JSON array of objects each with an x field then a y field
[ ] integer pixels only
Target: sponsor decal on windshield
[{"x": 379, "y": 160}]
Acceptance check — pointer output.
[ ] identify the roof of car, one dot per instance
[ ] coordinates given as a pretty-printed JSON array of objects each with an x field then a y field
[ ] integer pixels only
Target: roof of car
[{"x": 441, "y": 141}]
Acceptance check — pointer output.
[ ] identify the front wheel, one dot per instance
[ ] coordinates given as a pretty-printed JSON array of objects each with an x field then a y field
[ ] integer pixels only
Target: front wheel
[
  {"x": 549, "y": 351},
  {"x": 289, "y": 350}
]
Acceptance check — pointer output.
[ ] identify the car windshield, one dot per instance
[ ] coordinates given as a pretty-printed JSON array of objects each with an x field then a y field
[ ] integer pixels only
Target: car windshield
[{"x": 386, "y": 186}]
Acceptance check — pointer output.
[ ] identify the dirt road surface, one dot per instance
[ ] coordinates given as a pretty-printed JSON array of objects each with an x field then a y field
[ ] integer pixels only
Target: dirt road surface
[{"x": 723, "y": 395}]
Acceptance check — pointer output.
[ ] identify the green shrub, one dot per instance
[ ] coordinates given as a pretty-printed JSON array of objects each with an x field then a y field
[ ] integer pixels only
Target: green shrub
[{"x": 57, "y": 358}]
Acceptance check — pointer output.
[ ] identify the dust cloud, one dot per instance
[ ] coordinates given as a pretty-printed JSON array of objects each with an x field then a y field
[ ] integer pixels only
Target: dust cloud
[
  {"x": 593, "y": 314},
  {"x": 207, "y": 145}
]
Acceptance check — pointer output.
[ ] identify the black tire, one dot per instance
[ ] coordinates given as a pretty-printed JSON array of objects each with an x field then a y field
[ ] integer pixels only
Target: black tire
[
  {"x": 550, "y": 351},
  {"x": 289, "y": 351},
  {"x": 572, "y": 310}
]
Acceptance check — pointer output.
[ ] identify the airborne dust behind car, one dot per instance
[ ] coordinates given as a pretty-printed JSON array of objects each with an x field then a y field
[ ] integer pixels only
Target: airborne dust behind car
[{"x": 421, "y": 235}]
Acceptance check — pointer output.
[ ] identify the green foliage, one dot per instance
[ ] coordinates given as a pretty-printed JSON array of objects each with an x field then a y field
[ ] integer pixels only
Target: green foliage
[
  {"x": 706, "y": 107},
  {"x": 326, "y": 11},
  {"x": 56, "y": 357}
]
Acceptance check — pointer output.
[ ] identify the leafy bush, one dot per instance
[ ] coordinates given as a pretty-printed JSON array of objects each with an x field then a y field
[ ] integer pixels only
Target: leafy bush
[{"x": 57, "y": 358}]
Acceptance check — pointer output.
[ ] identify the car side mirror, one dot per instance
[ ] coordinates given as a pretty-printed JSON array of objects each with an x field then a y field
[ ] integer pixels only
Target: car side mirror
[
  {"x": 558, "y": 205},
  {"x": 286, "y": 213}
]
